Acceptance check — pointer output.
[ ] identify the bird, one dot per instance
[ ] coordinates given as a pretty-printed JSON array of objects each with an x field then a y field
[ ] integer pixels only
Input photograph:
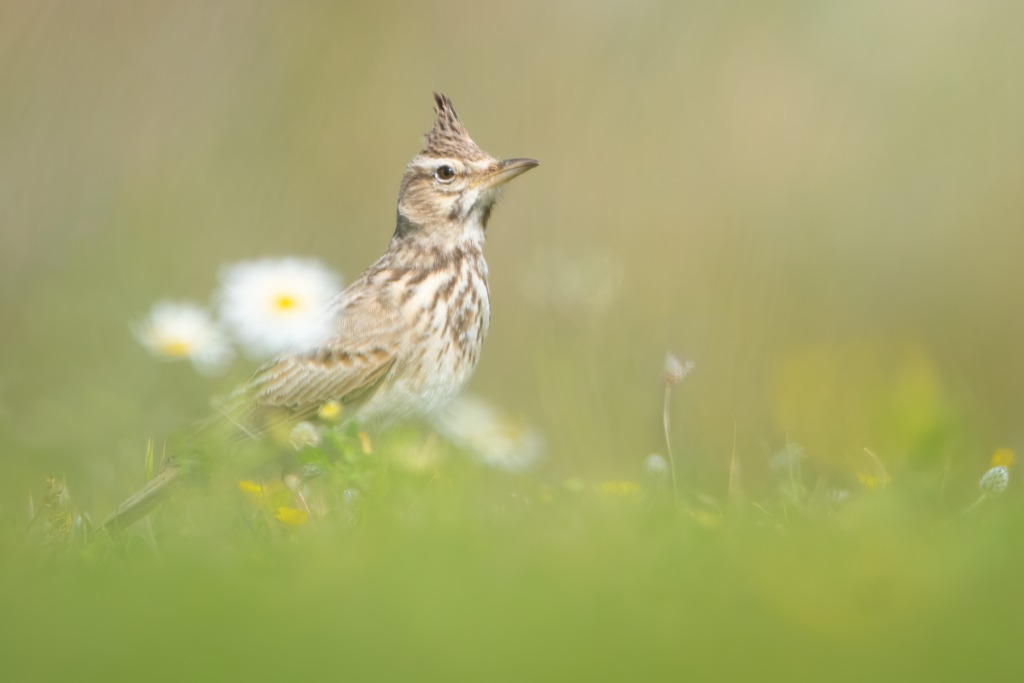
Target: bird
[{"x": 404, "y": 338}]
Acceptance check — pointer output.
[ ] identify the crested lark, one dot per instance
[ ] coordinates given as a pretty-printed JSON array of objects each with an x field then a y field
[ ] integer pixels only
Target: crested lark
[{"x": 405, "y": 336}]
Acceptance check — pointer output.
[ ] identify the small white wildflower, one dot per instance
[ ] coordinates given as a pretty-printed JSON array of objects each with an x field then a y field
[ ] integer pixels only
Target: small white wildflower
[
  {"x": 303, "y": 435},
  {"x": 272, "y": 304},
  {"x": 656, "y": 465},
  {"x": 474, "y": 425},
  {"x": 995, "y": 480},
  {"x": 676, "y": 370},
  {"x": 176, "y": 331}
]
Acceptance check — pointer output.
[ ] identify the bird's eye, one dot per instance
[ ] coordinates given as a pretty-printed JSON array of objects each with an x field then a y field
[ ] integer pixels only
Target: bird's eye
[{"x": 445, "y": 173}]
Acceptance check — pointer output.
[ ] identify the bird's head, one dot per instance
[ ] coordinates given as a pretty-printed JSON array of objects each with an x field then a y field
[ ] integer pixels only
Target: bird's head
[{"x": 449, "y": 188}]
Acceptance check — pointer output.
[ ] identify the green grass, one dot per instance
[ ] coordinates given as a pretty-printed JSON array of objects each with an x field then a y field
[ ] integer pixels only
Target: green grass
[{"x": 456, "y": 572}]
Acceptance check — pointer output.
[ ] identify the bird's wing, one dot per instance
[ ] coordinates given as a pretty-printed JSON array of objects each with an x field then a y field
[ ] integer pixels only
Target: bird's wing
[
  {"x": 358, "y": 351},
  {"x": 339, "y": 372}
]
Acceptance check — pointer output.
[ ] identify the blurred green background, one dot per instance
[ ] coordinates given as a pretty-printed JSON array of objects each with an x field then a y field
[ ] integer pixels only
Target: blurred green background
[{"x": 820, "y": 203}]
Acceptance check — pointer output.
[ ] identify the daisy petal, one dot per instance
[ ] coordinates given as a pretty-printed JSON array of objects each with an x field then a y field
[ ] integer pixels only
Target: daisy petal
[{"x": 270, "y": 305}]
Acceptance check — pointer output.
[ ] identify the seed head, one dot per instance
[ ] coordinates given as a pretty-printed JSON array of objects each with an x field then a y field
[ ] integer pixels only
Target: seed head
[
  {"x": 304, "y": 435},
  {"x": 675, "y": 369}
]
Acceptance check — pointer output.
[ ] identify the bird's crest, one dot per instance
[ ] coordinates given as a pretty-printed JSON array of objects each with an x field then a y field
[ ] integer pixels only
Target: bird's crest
[{"x": 448, "y": 137}]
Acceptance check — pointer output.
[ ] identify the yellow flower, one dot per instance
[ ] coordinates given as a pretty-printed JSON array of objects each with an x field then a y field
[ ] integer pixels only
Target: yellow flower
[
  {"x": 291, "y": 516},
  {"x": 868, "y": 481},
  {"x": 255, "y": 491},
  {"x": 253, "y": 487},
  {"x": 621, "y": 489},
  {"x": 1004, "y": 457},
  {"x": 330, "y": 411}
]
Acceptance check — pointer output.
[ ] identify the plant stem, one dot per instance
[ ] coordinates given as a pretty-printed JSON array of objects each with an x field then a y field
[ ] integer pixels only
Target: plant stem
[{"x": 668, "y": 440}]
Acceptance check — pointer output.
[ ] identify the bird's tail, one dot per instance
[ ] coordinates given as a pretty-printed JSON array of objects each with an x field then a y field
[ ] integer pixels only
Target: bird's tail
[
  {"x": 144, "y": 500},
  {"x": 232, "y": 423}
]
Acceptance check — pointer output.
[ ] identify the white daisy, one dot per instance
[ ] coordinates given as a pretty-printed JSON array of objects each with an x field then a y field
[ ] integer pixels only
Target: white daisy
[
  {"x": 474, "y": 425},
  {"x": 175, "y": 331},
  {"x": 272, "y": 304}
]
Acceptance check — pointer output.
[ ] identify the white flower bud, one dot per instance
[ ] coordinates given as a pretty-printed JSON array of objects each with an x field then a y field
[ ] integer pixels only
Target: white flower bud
[
  {"x": 656, "y": 465},
  {"x": 995, "y": 480},
  {"x": 304, "y": 434}
]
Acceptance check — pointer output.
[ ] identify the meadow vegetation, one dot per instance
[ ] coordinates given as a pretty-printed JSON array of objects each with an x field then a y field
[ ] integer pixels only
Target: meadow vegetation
[{"x": 818, "y": 204}]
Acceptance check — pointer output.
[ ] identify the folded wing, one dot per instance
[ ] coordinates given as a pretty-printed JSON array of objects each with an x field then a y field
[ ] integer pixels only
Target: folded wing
[{"x": 359, "y": 351}]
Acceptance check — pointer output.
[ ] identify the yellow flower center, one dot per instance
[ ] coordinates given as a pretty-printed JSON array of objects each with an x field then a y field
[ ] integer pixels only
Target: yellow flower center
[
  {"x": 176, "y": 348},
  {"x": 330, "y": 411},
  {"x": 285, "y": 303}
]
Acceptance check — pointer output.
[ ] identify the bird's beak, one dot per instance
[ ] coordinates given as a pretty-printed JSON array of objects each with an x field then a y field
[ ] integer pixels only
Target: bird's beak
[{"x": 507, "y": 170}]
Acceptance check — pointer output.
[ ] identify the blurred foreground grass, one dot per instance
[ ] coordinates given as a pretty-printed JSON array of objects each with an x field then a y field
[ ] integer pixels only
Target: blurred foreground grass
[{"x": 432, "y": 568}]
